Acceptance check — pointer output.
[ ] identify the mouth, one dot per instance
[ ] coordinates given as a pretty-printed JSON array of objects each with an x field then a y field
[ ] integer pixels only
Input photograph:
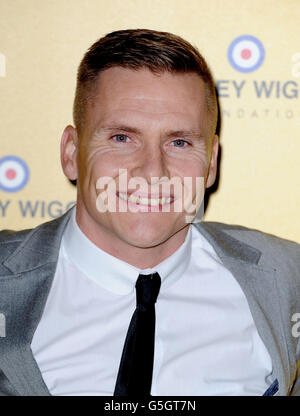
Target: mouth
[{"x": 146, "y": 201}]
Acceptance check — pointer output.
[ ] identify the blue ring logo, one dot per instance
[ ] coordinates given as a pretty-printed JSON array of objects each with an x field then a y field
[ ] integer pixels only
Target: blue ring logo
[
  {"x": 14, "y": 174},
  {"x": 246, "y": 53}
]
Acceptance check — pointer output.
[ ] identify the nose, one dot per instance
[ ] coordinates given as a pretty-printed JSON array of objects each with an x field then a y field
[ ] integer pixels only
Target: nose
[{"x": 151, "y": 163}]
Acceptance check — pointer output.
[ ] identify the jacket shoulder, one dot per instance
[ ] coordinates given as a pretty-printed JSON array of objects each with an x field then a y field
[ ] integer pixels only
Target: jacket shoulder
[
  {"x": 243, "y": 230},
  {"x": 12, "y": 235},
  {"x": 10, "y": 240},
  {"x": 270, "y": 245}
]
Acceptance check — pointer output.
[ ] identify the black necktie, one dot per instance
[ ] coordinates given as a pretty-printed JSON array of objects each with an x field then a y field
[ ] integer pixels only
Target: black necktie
[{"x": 136, "y": 366}]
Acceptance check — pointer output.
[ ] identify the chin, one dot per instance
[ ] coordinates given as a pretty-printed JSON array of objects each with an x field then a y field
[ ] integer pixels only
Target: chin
[
  {"x": 146, "y": 236},
  {"x": 145, "y": 242}
]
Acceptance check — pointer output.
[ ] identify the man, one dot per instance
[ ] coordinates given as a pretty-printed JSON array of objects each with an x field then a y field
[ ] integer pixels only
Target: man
[{"x": 215, "y": 302}]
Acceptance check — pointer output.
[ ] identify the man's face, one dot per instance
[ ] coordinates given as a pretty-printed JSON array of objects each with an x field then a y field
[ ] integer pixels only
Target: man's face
[{"x": 154, "y": 127}]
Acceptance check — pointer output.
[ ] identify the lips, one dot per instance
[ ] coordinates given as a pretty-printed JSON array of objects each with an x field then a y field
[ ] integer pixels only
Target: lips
[{"x": 146, "y": 199}]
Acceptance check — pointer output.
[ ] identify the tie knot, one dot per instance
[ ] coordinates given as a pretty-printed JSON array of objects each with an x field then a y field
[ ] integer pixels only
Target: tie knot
[{"x": 147, "y": 288}]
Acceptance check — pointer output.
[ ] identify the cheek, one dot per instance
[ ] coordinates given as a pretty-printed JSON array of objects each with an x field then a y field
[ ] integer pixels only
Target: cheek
[
  {"x": 193, "y": 168},
  {"x": 94, "y": 164},
  {"x": 194, "y": 163}
]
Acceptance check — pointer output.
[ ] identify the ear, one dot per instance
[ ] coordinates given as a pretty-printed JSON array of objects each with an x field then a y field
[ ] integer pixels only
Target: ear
[
  {"x": 212, "y": 171},
  {"x": 68, "y": 152}
]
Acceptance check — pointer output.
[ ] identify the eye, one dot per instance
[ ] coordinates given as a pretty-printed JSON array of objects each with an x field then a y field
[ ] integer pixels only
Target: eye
[
  {"x": 121, "y": 138},
  {"x": 180, "y": 143}
]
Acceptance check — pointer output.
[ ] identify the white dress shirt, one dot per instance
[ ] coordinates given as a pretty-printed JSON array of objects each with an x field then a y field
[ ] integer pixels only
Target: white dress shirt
[{"x": 206, "y": 342}]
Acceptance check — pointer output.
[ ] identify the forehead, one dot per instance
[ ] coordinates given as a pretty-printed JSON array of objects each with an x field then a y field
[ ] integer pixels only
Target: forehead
[{"x": 123, "y": 94}]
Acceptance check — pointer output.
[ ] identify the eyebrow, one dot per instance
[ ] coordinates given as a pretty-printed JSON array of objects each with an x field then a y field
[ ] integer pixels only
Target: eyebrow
[
  {"x": 119, "y": 127},
  {"x": 129, "y": 129}
]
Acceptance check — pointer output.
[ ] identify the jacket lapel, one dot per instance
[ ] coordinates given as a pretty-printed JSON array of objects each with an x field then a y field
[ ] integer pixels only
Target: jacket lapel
[
  {"x": 259, "y": 285},
  {"x": 23, "y": 294}
]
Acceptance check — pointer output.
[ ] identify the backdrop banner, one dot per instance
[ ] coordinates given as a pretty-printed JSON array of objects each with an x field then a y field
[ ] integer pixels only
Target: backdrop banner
[{"x": 253, "y": 50}]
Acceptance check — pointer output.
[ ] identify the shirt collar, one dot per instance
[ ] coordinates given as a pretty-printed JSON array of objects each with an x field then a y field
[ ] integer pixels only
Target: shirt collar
[{"x": 112, "y": 273}]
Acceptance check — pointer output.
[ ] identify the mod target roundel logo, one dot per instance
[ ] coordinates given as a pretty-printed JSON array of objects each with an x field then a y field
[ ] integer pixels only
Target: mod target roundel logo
[
  {"x": 246, "y": 53},
  {"x": 14, "y": 174}
]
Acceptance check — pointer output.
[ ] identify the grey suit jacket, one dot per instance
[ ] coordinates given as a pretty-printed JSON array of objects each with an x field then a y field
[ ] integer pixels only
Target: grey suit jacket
[{"x": 266, "y": 267}]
